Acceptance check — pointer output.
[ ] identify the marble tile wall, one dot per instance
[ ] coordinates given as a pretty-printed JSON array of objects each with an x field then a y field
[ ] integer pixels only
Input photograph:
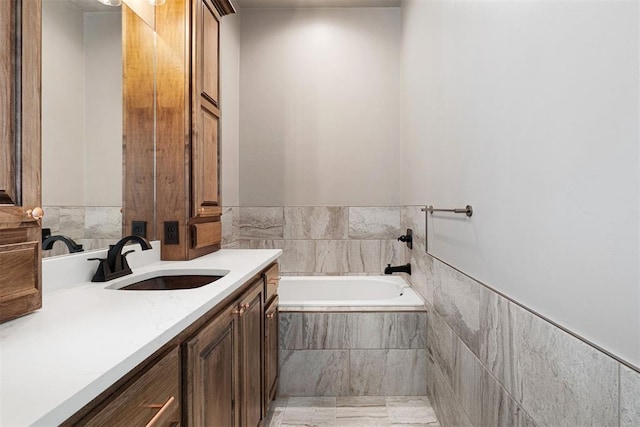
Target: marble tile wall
[
  {"x": 491, "y": 362},
  {"x": 352, "y": 354},
  {"x": 325, "y": 240},
  {"x": 94, "y": 227},
  {"x": 230, "y": 232}
]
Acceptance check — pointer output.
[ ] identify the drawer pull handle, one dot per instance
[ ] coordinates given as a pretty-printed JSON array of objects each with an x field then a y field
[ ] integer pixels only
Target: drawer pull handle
[
  {"x": 163, "y": 414},
  {"x": 240, "y": 310}
]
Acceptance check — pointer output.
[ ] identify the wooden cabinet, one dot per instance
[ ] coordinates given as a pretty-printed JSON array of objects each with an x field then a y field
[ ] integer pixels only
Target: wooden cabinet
[
  {"x": 188, "y": 126},
  {"x": 220, "y": 371},
  {"x": 224, "y": 366},
  {"x": 152, "y": 400},
  {"x": 212, "y": 372},
  {"x": 20, "y": 199}
]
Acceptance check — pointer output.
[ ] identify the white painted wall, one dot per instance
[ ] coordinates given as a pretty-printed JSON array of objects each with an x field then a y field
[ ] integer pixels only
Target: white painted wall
[
  {"x": 62, "y": 105},
  {"x": 103, "y": 109},
  {"x": 528, "y": 110},
  {"x": 81, "y": 106},
  {"x": 230, "y": 106},
  {"x": 319, "y": 107}
]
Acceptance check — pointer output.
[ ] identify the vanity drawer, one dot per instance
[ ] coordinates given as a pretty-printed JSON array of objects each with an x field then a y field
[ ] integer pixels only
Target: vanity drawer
[
  {"x": 271, "y": 281},
  {"x": 151, "y": 400}
]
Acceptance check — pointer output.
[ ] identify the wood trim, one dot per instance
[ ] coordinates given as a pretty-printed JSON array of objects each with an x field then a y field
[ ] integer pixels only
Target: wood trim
[
  {"x": 206, "y": 234},
  {"x": 31, "y": 102}
]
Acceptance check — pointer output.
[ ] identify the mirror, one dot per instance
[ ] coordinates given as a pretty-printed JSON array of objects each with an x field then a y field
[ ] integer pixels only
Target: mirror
[{"x": 84, "y": 129}]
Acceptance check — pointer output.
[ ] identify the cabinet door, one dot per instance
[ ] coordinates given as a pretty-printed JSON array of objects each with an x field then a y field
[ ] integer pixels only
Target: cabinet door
[
  {"x": 20, "y": 232},
  {"x": 252, "y": 351},
  {"x": 212, "y": 374},
  {"x": 205, "y": 149},
  {"x": 209, "y": 59},
  {"x": 271, "y": 324}
]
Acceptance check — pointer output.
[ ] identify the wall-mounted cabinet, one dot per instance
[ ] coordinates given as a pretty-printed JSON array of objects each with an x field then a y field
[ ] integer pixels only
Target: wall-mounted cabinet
[
  {"x": 188, "y": 124},
  {"x": 20, "y": 189}
]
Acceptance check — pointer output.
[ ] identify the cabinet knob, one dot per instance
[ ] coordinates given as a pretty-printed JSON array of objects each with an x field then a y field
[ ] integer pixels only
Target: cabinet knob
[
  {"x": 35, "y": 213},
  {"x": 239, "y": 311},
  {"x": 270, "y": 316}
]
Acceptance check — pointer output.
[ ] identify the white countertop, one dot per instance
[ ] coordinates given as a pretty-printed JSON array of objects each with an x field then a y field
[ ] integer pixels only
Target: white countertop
[{"x": 56, "y": 360}]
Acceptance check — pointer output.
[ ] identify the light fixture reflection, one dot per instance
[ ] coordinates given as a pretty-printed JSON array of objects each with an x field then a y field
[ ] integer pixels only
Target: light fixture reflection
[
  {"x": 157, "y": 2},
  {"x": 111, "y": 2}
]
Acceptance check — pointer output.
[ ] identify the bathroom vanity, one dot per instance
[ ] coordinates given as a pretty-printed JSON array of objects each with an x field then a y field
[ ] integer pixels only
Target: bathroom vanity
[{"x": 95, "y": 355}]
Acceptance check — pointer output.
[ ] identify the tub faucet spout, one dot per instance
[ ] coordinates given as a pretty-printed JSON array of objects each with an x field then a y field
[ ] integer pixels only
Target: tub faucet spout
[{"x": 398, "y": 269}]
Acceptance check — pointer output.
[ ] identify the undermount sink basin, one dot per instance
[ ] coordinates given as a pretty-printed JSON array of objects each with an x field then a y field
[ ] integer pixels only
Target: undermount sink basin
[{"x": 168, "y": 281}]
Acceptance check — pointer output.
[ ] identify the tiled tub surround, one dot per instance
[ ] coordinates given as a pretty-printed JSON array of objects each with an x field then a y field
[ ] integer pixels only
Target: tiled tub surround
[
  {"x": 323, "y": 239},
  {"x": 352, "y": 354},
  {"x": 94, "y": 227},
  {"x": 493, "y": 363}
]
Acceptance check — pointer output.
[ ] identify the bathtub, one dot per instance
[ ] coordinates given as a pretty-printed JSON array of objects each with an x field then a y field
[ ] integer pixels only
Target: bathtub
[
  {"x": 351, "y": 336},
  {"x": 347, "y": 293}
]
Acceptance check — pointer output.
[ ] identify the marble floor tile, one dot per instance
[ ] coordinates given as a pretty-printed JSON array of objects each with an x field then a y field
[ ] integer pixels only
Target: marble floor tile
[
  {"x": 410, "y": 410},
  {"x": 311, "y": 411},
  {"x": 352, "y": 411}
]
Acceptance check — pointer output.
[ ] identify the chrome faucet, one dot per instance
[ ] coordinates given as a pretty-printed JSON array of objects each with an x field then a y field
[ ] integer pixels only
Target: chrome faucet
[
  {"x": 398, "y": 269},
  {"x": 115, "y": 264}
]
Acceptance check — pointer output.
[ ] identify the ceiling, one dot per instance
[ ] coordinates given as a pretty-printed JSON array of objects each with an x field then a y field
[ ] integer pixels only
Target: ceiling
[{"x": 316, "y": 3}]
